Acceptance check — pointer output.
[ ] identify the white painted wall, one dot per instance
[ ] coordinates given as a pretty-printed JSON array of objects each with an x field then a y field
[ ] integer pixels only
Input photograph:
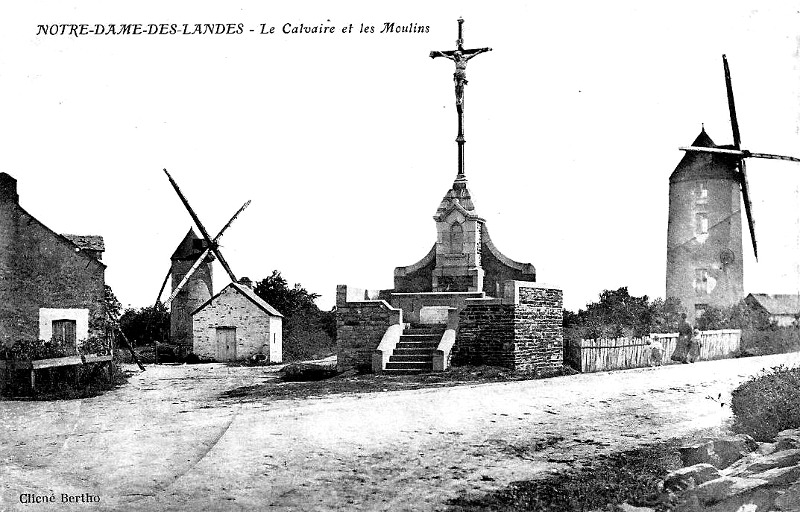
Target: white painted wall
[
  {"x": 47, "y": 315},
  {"x": 276, "y": 339}
]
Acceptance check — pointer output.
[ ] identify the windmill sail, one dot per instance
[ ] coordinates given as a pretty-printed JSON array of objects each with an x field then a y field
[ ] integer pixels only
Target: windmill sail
[{"x": 211, "y": 244}]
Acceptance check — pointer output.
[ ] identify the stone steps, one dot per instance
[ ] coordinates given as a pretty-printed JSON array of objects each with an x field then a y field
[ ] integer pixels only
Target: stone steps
[{"x": 414, "y": 352}]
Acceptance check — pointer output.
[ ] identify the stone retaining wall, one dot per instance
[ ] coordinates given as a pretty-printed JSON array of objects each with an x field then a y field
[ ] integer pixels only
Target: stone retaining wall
[
  {"x": 523, "y": 331},
  {"x": 360, "y": 325}
]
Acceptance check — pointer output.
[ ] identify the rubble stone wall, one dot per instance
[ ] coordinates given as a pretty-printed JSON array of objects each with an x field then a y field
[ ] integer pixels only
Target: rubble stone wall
[
  {"x": 360, "y": 325},
  {"x": 522, "y": 332}
]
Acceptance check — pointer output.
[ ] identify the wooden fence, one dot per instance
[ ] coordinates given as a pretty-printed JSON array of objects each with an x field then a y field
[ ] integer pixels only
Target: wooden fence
[{"x": 619, "y": 353}]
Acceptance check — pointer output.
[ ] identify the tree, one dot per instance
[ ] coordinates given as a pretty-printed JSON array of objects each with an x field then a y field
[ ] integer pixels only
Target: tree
[
  {"x": 146, "y": 325},
  {"x": 619, "y": 314},
  {"x": 101, "y": 326},
  {"x": 112, "y": 305},
  {"x": 712, "y": 319},
  {"x": 616, "y": 314},
  {"x": 307, "y": 331},
  {"x": 288, "y": 301},
  {"x": 665, "y": 315}
]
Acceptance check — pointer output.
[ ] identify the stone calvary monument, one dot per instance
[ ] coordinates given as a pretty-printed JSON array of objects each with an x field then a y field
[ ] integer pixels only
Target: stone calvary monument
[{"x": 464, "y": 302}]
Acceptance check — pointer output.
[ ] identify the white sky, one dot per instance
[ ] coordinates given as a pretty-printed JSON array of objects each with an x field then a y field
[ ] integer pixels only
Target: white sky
[{"x": 345, "y": 142}]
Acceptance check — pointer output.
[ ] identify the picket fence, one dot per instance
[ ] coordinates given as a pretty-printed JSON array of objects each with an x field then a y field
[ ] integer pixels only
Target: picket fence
[{"x": 605, "y": 354}]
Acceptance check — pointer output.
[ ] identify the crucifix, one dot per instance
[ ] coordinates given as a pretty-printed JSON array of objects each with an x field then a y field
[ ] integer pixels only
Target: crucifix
[{"x": 460, "y": 56}]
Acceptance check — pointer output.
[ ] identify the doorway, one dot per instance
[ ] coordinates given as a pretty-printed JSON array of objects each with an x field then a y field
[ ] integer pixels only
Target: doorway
[{"x": 226, "y": 343}]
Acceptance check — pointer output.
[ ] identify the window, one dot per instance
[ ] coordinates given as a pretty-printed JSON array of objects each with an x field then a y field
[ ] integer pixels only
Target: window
[
  {"x": 702, "y": 190},
  {"x": 64, "y": 331},
  {"x": 699, "y": 309},
  {"x": 702, "y": 224},
  {"x": 701, "y": 281},
  {"x": 456, "y": 238}
]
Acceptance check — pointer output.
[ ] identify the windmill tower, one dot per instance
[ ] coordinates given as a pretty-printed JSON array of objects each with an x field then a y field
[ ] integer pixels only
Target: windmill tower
[
  {"x": 704, "y": 234},
  {"x": 196, "y": 291}
]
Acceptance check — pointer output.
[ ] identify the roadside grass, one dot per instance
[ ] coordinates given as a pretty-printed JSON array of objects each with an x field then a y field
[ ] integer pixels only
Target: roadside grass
[
  {"x": 304, "y": 382},
  {"x": 767, "y": 403},
  {"x": 630, "y": 476}
]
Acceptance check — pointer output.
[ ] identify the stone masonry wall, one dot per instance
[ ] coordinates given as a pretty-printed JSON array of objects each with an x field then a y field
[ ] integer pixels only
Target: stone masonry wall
[
  {"x": 523, "y": 332},
  {"x": 485, "y": 335},
  {"x": 360, "y": 325},
  {"x": 538, "y": 331},
  {"x": 40, "y": 269}
]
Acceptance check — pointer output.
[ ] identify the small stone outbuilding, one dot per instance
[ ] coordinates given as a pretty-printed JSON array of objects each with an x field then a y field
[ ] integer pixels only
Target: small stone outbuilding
[{"x": 237, "y": 324}]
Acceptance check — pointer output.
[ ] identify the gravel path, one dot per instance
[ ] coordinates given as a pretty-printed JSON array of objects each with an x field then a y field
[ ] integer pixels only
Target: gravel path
[{"x": 166, "y": 441}]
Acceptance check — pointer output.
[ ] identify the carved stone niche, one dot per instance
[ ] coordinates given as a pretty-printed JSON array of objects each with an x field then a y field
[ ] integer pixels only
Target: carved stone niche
[{"x": 457, "y": 248}]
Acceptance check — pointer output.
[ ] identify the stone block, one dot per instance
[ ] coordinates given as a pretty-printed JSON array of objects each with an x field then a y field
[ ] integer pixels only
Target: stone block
[
  {"x": 690, "y": 477},
  {"x": 725, "y": 487},
  {"x": 757, "y": 500},
  {"x": 759, "y": 464},
  {"x": 787, "y": 439},
  {"x": 719, "y": 452}
]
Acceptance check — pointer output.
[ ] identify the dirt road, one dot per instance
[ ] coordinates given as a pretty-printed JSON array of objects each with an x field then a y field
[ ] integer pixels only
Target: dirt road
[{"x": 166, "y": 441}]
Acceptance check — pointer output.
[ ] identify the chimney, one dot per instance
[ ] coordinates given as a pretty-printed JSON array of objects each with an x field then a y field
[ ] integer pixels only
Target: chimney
[
  {"x": 8, "y": 189},
  {"x": 245, "y": 281}
]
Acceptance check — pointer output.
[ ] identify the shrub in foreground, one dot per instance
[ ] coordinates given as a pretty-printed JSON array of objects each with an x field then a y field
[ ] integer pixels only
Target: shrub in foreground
[
  {"x": 300, "y": 372},
  {"x": 767, "y": 403}
]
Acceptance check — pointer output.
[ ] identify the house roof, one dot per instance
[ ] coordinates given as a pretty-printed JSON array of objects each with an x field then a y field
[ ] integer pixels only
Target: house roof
[
  {"x": 88, "y": 242},
  {"x": 695, "y": 165},
  {"x": 785, "y": 304},
  {"x": 247, "y": 292}
]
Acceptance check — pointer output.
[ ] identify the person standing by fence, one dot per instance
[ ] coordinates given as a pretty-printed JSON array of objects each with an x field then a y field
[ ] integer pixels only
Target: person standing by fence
[
  {"x": 684, "y": 340},
  {"x": 693, "y": 348}
]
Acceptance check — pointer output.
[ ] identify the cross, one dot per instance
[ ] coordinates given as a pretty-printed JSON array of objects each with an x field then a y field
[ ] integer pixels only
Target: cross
[{"x": 460, "y": 56}]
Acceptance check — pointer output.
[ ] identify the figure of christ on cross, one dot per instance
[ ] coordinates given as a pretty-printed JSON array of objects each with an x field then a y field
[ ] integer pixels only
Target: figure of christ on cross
[{"x": 460, "y": 57}]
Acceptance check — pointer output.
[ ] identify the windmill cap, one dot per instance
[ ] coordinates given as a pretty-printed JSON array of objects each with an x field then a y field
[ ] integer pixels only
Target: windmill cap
[
  {"x": 8, "y": 188},
  {"x": 190, "y": 248},
  {"x": 696, "y": 166}
]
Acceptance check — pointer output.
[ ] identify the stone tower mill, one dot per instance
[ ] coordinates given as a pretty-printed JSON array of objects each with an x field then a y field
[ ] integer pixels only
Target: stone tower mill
[
  {"x": 197, "y": 290},
  {"x": 704, "y": 232}
]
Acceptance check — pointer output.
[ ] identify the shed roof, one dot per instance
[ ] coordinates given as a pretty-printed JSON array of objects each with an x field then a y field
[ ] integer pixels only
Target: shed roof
[
  {"x": 778, "y": 304},
  {"x": 247, "y": 292}
]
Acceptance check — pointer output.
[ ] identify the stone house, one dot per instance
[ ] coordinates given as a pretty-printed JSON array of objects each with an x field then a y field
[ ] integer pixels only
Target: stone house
[
  {"x": 237, "y": 324},
  {"x": 784, "y": 309},
  {"x": 51, "y": 285}
]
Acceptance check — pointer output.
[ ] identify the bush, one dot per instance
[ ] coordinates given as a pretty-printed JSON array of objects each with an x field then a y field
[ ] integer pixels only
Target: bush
[
  {"x": 65, "y": 382},
  {"x": 305, "y": 338},
  {"x": 307, "y": 372},
  {"x": 779, "y": 340},
  {"x": 767, "y": 403}
]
